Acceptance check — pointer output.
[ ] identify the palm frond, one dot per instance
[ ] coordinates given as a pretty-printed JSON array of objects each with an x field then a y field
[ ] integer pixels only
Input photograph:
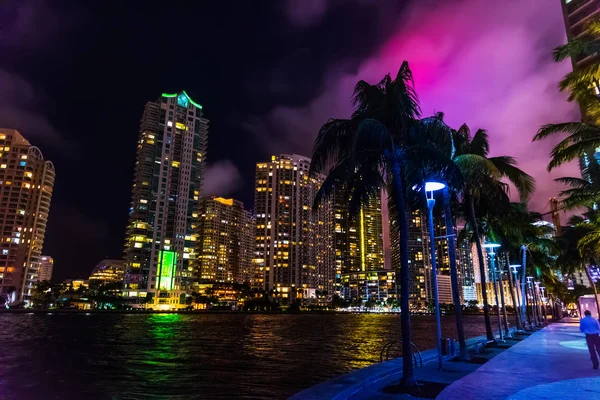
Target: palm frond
[
  {"x": 480, "y": 143},
  {"x": 524, "y": 182}
]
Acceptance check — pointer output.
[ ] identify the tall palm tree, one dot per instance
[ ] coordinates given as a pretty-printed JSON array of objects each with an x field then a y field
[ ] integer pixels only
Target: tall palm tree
[
  {"x": 380, "y": 145},
  {"x": 482, "y": 181}
]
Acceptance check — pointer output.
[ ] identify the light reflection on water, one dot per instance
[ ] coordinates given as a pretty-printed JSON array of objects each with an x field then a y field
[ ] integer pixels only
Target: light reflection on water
[{"x": 199, "y": 356}]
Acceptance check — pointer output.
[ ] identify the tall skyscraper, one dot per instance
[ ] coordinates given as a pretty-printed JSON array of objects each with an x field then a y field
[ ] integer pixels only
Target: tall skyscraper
[
  {"x": 46, "y": 268},
  {"x": 418, "y": 258},
  {"x": 577, "y": 14},
  {"x": 358, "y": 247},
  {"x": 294, "y": 243},
  {"x": 26, "y": 184},
  {"x": 160, "y": 246},
  {"x": 225, "y": 242}
]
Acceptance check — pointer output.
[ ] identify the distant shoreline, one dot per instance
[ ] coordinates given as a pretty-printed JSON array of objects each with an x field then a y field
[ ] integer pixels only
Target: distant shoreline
[{"x": 201, "y": 312}]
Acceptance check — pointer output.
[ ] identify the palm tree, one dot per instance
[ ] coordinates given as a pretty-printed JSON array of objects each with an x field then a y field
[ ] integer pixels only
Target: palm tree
[
  {"x": 578, "y": 244},
  {"x": 382, "y": 144},
  {"x": 482, "y": 176}
]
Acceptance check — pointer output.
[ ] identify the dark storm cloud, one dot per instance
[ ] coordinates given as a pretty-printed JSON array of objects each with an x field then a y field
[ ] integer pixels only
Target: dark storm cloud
[{"x": 27, "y": 29}]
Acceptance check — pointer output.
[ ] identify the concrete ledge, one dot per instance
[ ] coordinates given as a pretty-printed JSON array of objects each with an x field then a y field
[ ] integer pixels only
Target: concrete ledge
[{"x": 345, "y": 386}]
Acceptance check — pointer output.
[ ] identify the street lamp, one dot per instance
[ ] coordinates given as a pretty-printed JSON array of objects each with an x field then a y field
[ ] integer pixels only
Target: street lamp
[
  {"x": 431, "y": 187},
  {"x": 531, "y": 298},
  {"x": 521, "y": 318},
  {"x": 491, "y": 252},
  {"x": 543, "y": 301},
  {"x": 536, "y": 295}
]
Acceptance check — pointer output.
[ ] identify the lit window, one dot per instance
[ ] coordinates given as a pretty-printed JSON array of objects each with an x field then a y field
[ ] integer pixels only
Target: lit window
[
  {"x": 137, "y": 245},
  {"x": 4, "y": 252},
  {"x": 169, "y": 123},
  {"x": 23, "y": 157},
  {"x": 28, "y": 174},
  {"x": 143, "y": 201},
  {"x": 3, "y": 166},
  {"x": 2, "y": 137},
  {"x": 22, "y": 163},
  {"x": 7, "y": 149}
]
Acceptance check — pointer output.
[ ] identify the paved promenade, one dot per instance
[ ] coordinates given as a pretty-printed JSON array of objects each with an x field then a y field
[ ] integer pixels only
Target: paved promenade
[{"x": 553, "y": 363}]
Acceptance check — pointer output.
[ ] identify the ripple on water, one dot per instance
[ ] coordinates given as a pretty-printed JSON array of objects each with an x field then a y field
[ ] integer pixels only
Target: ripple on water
[{"x": 193, "y": 356}]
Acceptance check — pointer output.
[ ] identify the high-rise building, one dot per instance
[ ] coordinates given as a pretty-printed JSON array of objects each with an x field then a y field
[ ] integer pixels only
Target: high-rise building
[
  {"x": 160, "y": 248},
  {"x": 577, "y": 14},
  {"x": 294, "y": 243},
  {"x": 26, "y": 184},
  {"x": 107, "y": 271},
  {"x": 225, "y": 242},
  {"x": 418, "y": 256},
  {"x": 46, "y": 268},
  {"x": 358, "y": 246}
]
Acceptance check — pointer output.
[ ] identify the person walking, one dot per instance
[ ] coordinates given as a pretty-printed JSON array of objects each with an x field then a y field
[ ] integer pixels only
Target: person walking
[{"x": 591, "y": 328}]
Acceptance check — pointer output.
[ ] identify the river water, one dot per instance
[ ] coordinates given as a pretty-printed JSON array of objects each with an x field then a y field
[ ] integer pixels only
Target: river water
[{"x": 193, "y": 356}]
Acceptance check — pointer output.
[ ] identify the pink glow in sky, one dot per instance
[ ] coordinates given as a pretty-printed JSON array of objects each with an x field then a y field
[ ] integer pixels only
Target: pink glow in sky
[{"x": 483, "y": 62}]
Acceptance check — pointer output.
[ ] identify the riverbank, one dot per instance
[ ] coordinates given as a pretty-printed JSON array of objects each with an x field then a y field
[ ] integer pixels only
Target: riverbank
[
  {"x": 373, "y": 382},
  {"x": 146, "y": 311}
]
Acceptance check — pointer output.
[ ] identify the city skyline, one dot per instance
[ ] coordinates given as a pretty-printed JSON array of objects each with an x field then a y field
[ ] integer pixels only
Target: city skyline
[{"x": 91, "y": 142}]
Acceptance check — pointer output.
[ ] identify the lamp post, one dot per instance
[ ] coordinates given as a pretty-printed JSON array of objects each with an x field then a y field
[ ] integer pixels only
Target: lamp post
[
  {"x": 431, "y": 187},
  {"x": 543, "y": 299},
  {"x": 530, "y": 295},
  {"x": 520, "y": 316},
  {"x": 537, "y": 300},
  {"x": 491, "y": 247}
]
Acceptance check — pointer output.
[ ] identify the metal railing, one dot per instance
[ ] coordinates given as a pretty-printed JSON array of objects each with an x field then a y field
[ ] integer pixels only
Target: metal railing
[{"x": 385, "y": 350}]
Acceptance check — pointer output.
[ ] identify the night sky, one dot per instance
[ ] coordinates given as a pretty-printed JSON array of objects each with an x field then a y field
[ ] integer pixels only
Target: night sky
[{"x": 75, "y": 75}]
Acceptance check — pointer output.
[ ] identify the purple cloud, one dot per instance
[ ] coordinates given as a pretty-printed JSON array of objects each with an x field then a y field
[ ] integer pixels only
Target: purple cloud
[
  {"x": 481, "y": 63},
  {"x": 221, "y": 179}
]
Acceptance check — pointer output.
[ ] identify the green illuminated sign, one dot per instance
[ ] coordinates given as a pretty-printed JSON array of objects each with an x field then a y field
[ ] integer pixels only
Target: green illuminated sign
[
  {"x": 182, "y": 100},
  {"x": 168, "y": 265}
]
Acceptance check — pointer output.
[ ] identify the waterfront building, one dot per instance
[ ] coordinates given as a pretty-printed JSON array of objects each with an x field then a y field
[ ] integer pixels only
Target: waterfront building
[
  {"x": 419, "y": 261},
  {"x": 577, "y": 14},
  {"x": 294, "y": 253},
  {"x": 358, "y": 244},
  {"x": 370, "y": 285},
  {"x": 444, "y": 289},
  {"x": 46, "y": 268},
  {"x": 107, "y": 271},
  {"x": 466, "y": 256},
  {"x": 225, "y": 242},
  {"x": 26, "y": 184},
  {"x": 76, "y": 284},
  {"x": 160, "y": 248}
]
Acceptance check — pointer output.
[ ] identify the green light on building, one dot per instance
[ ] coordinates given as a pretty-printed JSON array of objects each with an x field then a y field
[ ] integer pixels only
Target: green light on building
[
  {"x": 182, "y": 99},
  {"x": 166, "y": 275}
]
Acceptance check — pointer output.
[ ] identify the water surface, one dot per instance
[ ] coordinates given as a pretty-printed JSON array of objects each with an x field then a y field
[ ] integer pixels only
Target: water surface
[{"x": 193, "y": 356}]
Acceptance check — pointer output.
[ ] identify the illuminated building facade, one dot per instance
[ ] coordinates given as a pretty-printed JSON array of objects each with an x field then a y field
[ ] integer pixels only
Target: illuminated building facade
[
  {"x": 46, "y": 268},
  {"x": 358, "y": 246},
  {"x": 418, "y": 256},
  {"x": 577, "y": 15},
  {"x": 160, "y": 247},
  {"x": 108, "y": 271},
  {"x": 294, "y": 243},
  {"x": 26, "y": 184},
  {"x": 226, "y": 242}
]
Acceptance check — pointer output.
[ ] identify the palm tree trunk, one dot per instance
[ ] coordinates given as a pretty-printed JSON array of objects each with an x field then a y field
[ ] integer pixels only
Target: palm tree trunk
[
  {"x": 473, "y": 220},
  {"x": 408, "y": 373},
  {"x": 587, "y": 271},
  {"x": 464, "y": 355}
]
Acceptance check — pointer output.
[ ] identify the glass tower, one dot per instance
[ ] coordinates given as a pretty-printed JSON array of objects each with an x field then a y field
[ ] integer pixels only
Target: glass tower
[{"x": 160, "y": 248}]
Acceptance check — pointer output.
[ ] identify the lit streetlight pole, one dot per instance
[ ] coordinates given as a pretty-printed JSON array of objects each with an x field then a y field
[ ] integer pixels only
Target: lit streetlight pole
[
  {"x": 492, "y": 254},
  {"x": 504, "y": 314},
  {"x": 543, "y": 298},
  {"x": 520, "y": 316},
  {"x": 538, "y": 300},
  {"x": 431, "y": 187}
]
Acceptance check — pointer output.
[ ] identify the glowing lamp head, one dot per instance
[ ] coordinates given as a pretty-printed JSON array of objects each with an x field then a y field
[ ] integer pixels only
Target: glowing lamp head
[
  {"x": 434, "y": 186},
  {"x": 491, "y": 246}
]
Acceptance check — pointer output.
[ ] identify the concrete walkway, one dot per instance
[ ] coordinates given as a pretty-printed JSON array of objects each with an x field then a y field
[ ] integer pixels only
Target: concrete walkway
[{"x": 553, "y": 363}]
